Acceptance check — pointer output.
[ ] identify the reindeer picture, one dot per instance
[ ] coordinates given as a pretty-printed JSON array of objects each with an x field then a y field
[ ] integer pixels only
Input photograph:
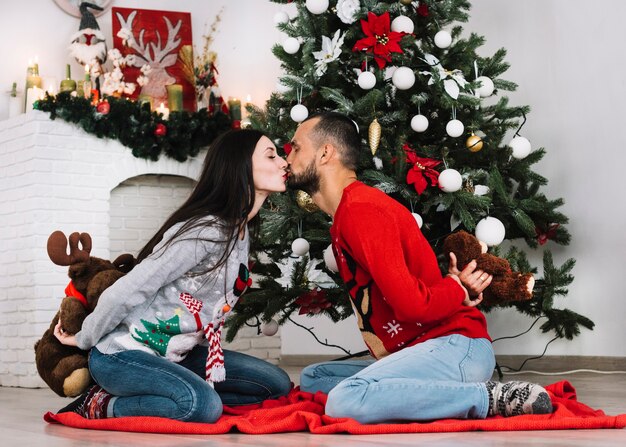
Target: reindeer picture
[{"x": 140, "y": 33}]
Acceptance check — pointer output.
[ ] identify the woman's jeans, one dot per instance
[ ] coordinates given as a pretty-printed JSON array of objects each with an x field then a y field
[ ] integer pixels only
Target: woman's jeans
[
  {"x": 147, "y": 385},
  {"x": 440, "y": 378}
]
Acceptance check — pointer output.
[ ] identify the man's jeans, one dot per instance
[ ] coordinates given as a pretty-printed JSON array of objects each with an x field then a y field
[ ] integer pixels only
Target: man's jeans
[
  {"x": 440, "y": 378},
  {"x": 147, "y": 385}
]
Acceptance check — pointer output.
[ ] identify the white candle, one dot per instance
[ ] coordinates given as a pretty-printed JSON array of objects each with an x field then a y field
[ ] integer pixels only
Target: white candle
[
  {"x": 164, "y": 111},
  {"x": 33, "y": 94}
]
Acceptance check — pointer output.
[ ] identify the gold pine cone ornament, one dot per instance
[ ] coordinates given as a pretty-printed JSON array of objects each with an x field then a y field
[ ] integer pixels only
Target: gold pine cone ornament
[{"x": 374, "y": 132}]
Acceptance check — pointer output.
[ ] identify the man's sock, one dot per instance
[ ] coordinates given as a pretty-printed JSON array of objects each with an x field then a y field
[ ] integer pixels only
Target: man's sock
[
  {"x": 515, "y": 398},
  {"x": 91, "y": 405}
]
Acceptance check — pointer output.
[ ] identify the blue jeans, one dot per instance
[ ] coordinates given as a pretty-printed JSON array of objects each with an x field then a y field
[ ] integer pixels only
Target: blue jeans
[
  {"x": 147, "y": 385},
  {"x": 440, "y": 378}
]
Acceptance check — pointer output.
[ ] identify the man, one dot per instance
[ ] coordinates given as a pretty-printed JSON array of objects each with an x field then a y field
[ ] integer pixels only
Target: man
[{"x": 434, "y": 355}]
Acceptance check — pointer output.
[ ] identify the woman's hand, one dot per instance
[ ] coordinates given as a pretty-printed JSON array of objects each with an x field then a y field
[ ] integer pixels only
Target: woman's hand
[
  {"x": 64, "y": 338},
  {"x": 475, "y": 281}
]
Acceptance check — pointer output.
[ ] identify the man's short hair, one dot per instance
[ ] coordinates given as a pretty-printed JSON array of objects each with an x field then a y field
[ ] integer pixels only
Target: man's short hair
[{"x": 342, "y": 133}]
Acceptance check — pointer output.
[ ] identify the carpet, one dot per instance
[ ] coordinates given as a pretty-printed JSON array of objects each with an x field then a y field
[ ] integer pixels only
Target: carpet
[{"x": 304, "y": 412}]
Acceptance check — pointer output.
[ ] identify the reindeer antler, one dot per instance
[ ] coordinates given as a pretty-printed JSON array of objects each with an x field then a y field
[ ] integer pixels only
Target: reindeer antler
[{"x": 57, "y": 248}]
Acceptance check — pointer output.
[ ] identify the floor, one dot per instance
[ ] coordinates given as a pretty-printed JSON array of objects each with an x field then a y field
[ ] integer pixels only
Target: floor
[{"x": 21, "y": 423}]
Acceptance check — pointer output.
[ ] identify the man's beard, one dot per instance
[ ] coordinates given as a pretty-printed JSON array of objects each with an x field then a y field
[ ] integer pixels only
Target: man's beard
[{"x": 308, "y": 181}]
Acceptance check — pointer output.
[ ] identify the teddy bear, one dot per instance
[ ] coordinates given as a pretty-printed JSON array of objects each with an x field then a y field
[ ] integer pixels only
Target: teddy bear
[
  {"x": 507, "y": 286},
  {"x": 64, "y": 368}
]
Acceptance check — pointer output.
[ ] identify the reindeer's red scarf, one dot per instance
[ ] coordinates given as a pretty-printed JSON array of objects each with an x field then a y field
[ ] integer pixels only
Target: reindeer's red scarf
[{"x": 72, "y": 291}]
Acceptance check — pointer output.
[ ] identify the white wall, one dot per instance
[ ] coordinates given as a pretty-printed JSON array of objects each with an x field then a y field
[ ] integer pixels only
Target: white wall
[{"x": 568, "y": 59}]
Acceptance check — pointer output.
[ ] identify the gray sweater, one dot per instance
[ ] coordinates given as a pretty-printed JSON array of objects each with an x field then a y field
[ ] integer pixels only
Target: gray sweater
[{"x": 163, "y": 304}]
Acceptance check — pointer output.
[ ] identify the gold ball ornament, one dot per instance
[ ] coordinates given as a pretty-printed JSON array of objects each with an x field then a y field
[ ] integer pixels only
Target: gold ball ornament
[
  {"x": 474, "y": 143},
  {"x": 305, "y": 202},
  {"x": 406, "y": 2},
  {"x": 374, "y": 132}
]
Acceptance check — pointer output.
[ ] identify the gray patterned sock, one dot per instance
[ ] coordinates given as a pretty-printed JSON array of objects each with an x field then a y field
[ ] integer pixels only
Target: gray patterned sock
[{"x": 515, "y": 398}]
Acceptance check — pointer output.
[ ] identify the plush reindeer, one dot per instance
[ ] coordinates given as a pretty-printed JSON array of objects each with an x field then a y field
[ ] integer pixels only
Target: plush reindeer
[{"x": 64, "y": 368}]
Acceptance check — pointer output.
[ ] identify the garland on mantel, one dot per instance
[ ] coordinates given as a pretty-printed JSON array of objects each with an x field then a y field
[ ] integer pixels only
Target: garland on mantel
[{"x": 134, "y": 125}]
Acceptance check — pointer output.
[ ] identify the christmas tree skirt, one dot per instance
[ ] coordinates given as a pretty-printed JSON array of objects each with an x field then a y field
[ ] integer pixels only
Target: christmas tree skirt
[{"x": 300, "y": 411}]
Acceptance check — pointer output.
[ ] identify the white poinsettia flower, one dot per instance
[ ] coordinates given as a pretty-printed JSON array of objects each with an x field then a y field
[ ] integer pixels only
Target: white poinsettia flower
[
  {"x": 347, "y": 9},
  {"x": 453, "y": 80},
  {"x": 331, "y": 49},
  {"x": 125, "y": 34},
  {"x": 114, "y": 54},
  {"x": 315, "y": 276}
]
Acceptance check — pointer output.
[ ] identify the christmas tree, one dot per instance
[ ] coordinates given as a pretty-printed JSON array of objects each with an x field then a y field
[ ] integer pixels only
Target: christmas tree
[{"x": 443, "y": 140}]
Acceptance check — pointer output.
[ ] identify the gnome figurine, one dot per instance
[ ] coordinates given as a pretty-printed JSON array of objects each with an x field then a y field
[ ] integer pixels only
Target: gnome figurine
[{"x": 88, "y": 44}]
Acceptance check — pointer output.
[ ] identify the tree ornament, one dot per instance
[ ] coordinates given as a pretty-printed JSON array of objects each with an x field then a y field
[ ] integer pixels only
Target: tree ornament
[
  {"x": 300, "y": 246},
  {"x": 316, "y": 6},
  {"x": 422, "y": 170},
  {"x": 305, "y": 201},
  {"x": 299, "y": 113},
  {"x": 402, "y": 24},
  {"x": 291, "y": 45},
  {"x": 379, "y": 40},
  {"x": 520, "y": 147},
  {"x": 366, "y": 80},
  {"x": 281, "y": 17},
  {"x": 455, "y": 128},
  {"x": 103, "y": 107},
  {"x": 313, "y": 302},
  {"x": 403, "y": 78},
  {"x": 490, "y": 230},
  {"x": 329, "y": 259},
  {"x": 419, "y": 123},
  {"x": 406, "y": 2},
  {"x": 374, "y": 132},
  {"x": 486, "y": 86},
  {"x": 443, "y": 39},
  {"x": 270, "y": 328},
  {"x": 474, "y": 143},
  {"x": 160, "y": 130},
  {"x": 450, "y": 180},
  {"x": 418, "y": 219}
]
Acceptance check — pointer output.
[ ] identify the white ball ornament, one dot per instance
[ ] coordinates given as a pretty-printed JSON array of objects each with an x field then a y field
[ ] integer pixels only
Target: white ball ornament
[
  {"x": 443, "y": 39},
  {"x": 281, "y": 17},
  {"x": 403, "y": 78},
  {"x": 418, "y": 219},
  {"x": 455, "y": 128},
  {"x": 291, "y": 45},
  {"x": 367, "y": 80},
  {"x": 316, "y": 6},
  {"x": 490, "y": 230},
  {"x": 300, "y": 246},
  {"x": 299, "y": 113},
  {"x": 270, "y": 328},
  {"x": 419, "y": 123},
  {"x": 450, "y": 180},
  {"x": 486, "y": 86},
  {"x": 329, "y": 259},
  {"x": 402, "y": 24},
  {"x": 520, "y": 147}
]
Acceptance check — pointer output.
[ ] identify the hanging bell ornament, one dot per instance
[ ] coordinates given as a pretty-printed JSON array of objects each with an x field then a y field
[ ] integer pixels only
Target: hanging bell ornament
[
  {"x": 305, "y": 202},
  {"x": 374, "y": 133},
  {"x": 474, "y": 143}
]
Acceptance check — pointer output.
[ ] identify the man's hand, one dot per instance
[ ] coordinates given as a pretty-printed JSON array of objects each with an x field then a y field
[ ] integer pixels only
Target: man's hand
[
  {"x": 475, "y": 281},
  {"x": 63, "y": 337}
]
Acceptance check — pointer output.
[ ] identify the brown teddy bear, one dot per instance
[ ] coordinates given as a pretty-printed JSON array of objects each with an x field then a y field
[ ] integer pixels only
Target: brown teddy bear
[
  {"x": 506, "y": 286},
  {"x": 64, "y": 368}
]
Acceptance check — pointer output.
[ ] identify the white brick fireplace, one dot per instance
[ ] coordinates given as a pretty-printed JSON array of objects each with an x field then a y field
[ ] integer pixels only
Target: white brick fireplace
[{"x": 54, "y": 176}]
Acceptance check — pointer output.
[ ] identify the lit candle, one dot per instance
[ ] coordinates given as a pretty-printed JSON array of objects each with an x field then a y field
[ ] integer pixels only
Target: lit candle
[
  {"x": 33, "y": 94},
  {"x": 87, "y": 84},
  {"x": 164, "y": 111},
  {"x": 32, "y": 80},
  {"x": 175, "y": 97}
]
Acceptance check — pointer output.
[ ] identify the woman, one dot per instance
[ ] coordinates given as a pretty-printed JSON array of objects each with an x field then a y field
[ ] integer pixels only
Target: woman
[{"x": 145, "y": 333}]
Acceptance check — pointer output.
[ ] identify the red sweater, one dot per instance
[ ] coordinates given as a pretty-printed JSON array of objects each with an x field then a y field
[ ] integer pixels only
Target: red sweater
[{"x": 398, "y": 294}]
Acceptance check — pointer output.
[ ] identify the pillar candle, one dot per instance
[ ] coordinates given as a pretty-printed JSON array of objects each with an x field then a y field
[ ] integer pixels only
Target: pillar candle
[
  {"x": 175, "y": 97},
  {"x": 164, "y": 111},
  {"x": 33, "y": 94},
  {"x": 234, "y": 106},
  {"x": 68, "y": 84}
]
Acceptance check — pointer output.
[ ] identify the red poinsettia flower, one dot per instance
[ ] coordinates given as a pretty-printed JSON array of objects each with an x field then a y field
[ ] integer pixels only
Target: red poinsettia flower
[
  {"x": 549, "y": 233},
  {"x": 422, "y": 9},
  {"x": 421, "y": 171},
  {"x": 313, "y": 302},
  {"x": 380, "y": 40}
]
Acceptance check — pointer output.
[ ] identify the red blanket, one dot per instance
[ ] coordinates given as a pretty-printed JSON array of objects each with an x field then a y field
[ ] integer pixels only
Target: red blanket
[{"x": 300, "y": 411}]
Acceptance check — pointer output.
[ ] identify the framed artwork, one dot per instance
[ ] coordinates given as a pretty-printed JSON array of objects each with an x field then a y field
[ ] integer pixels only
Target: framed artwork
[
  {"x": 72, "y": 6},
  {"x": 161, "y": 39}
]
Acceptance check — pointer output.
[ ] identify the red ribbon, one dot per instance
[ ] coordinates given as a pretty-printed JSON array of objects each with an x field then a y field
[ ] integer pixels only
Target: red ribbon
[{"x": 72, "y": 291}]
